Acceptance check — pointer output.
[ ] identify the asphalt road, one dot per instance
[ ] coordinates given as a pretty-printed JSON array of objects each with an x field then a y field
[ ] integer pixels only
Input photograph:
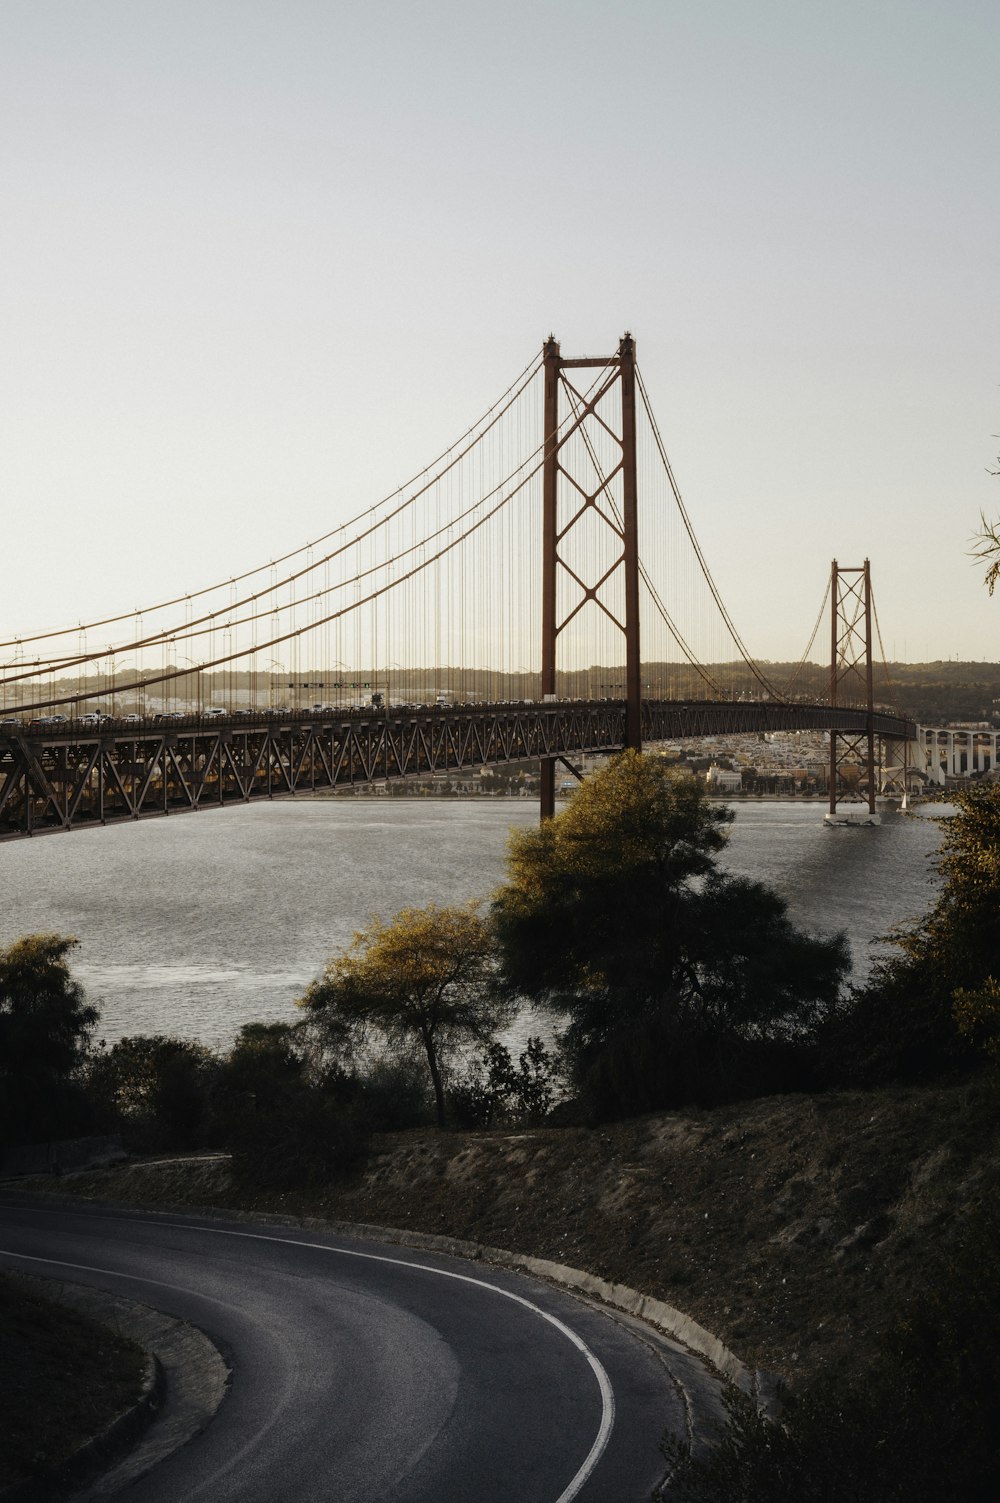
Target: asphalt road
[{"x": 369, "y": 1372}]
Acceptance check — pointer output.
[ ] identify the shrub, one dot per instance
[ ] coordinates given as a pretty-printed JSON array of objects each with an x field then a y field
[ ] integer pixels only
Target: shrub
[
  {"x": 314, "y": 1136},
  {"x": 44, "y": 1025},
  {"x": 394, "y": 1093},
  {"x": 903, "y": 1025},
  {"x": 154, "y": 1090},
  {"x": 285, "y": 1122},
  {"x": 495, "y": 1093},
  {"x": 919, "y": 1424},
  {"x": 661, "y": 1063}
]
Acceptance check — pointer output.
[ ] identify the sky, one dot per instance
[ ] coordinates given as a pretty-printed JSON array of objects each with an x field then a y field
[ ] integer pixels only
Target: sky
[{"x": 262, "y": 261}]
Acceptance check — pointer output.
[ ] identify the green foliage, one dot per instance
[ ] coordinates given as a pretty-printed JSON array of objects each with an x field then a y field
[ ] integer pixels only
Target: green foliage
[
  {"x": 155, "y": 1091},
  {"x": 671, "y": 973},
  {"x": 284, "y": 1126},
  {"x": 494, "y": 1092},
  {"x": 987, "y": 548},
  {"x": 977, "y": 1016},
  {"x": 421, "y": 982},
  {"x": 44, "y": 1025},
  {"x": 394, "y": 1093},
  {"x": 586, "y": 891},
  {"x": 315, "y": 1136},
  {"x": 264, "y": 1066},
  {"x": 918, "y": 1425},
  {"x": 903, "y": 1024}
]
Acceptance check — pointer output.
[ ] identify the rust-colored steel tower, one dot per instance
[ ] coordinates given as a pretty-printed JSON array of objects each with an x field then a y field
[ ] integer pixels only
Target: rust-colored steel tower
[
  {"x": 620, "y": 369},
  {"x": 851, "y": 674}
]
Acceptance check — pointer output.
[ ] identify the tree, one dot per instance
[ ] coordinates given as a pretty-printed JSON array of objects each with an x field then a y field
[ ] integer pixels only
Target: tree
[
  {"x": 44, "y": 1025},
  {"x": 153, "y": 1088},
  {"x": 615, "y": 914},
  {"x": 421, "y": 981},
  {"x": 987, "y": 549},
  {"x": 925, "y": 1007},
  {"x": 285, "y": 1122}
]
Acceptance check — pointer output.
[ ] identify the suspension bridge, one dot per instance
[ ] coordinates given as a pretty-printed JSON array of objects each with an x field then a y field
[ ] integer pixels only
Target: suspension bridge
[{"x": 537, "y": 592}]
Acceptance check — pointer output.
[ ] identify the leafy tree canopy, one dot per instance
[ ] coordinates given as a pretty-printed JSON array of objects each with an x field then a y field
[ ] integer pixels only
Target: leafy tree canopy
[
  {"x": 153, "y": 1088},
  {"x": 44, "y": 1025},
  {"x": 44, "y": 1019},
  {"x": 926, "y": 1007},
  {"x": 615, "y": 913},
  {"x": 590, "y": 891},
  {"x": 421, "y": 981}
]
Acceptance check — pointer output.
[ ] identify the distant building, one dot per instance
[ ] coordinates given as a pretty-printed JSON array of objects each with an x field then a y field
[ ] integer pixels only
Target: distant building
[{"x": 723, "y": 780}]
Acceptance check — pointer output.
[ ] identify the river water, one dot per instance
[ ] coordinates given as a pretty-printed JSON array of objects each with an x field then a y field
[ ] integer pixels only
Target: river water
[{"x": 196, "y": 924}]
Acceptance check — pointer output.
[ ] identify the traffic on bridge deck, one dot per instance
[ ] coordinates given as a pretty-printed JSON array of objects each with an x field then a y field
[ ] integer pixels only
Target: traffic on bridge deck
[{"x": 462, "y": 620}]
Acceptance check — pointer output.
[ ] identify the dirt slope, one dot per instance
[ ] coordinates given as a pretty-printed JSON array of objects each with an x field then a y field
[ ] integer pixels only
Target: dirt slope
[{"x": 782, "y": 1225}]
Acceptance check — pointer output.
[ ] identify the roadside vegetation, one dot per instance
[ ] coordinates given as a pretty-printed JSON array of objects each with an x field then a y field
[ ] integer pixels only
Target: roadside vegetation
[
  {"x": 674, "y": 987},
  {"x": 55, "y": 1362},
  {"x": 914, "y": 1419}
]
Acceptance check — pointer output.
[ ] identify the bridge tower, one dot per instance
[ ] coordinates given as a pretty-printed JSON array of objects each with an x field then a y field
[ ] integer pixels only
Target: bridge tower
[
  {"x": 851, "y": 679},
  {"x": 559, "y": 520}
]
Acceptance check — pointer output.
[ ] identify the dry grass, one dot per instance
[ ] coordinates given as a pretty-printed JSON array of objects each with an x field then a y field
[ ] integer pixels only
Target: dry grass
[
  {"x": 63, "y": 1379},
  {"x": 783, "y": 1225}
]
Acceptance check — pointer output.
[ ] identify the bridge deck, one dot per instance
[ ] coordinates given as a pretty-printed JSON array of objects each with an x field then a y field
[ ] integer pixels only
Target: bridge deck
[{"x": 67, "y": 775}]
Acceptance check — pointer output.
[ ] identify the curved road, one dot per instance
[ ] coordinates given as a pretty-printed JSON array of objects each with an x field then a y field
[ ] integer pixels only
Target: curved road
[{"x": 365, "y": 1373}]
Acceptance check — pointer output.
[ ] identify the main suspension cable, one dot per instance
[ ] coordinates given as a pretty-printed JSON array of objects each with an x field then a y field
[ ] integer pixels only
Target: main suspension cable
[
  {"x": 809, "y": 645},
  {"x": 765, "y": 684},
  {"x": 521, "y": 383}
]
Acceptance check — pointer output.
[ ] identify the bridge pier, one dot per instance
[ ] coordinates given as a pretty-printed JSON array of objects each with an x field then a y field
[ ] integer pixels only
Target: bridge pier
[{"x": 957, "y": 752}]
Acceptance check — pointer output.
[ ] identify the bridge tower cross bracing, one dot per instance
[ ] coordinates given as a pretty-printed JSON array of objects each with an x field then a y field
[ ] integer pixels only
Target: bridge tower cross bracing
[
  {"x": 851, "y": 670},
  {"x": 621, "y": 371}
]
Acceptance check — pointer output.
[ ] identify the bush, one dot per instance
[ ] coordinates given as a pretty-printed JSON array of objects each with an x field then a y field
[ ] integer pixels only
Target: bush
[
  {"x": 44, "y": 1025},
  {"x": 493, "y": 1093},
  {"x": 312, "y": 1137},
  {"x": 157, "y": 1092},
  {"x": 903, "y": 1025},
  {"x": 662, "y": 1063},
  {"x": 394, "y": 1094},
  {"x": 284, "y": 1124},
  {"x": 921, "y": 1423}
]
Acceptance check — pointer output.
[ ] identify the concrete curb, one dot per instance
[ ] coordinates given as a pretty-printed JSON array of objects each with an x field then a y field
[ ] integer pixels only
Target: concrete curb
[
  {"x": 762, "y": 1386},
  {"x": 109, "y": 1443},
  {"x": 130, "y": 1444}
]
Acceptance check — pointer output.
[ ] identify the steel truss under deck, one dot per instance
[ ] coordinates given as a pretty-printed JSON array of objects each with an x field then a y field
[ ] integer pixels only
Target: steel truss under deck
[{"x": 56, "y": 778}]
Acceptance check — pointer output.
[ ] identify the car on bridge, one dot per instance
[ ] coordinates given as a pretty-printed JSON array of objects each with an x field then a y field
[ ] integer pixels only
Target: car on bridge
[{"x": 40, "y": 721}]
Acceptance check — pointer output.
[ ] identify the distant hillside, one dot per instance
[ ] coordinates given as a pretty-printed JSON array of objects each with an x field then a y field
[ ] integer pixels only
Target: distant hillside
[{"x": 933, "y": 693}]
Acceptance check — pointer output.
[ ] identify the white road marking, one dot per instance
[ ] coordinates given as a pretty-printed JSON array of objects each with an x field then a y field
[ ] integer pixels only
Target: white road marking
[{"x": 603, "y": 1435}]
